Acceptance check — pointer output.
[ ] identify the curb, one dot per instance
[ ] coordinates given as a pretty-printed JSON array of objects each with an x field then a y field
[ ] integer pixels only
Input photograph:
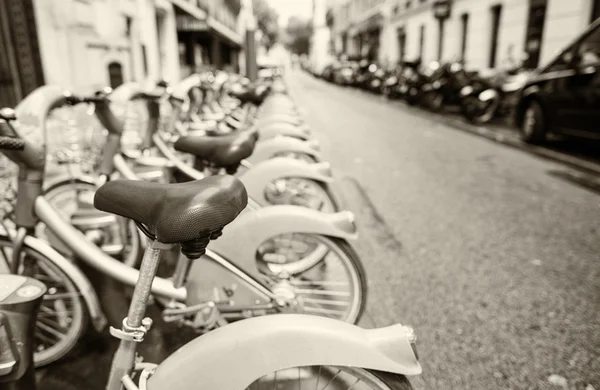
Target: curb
[{"x": 512, "y": 141}]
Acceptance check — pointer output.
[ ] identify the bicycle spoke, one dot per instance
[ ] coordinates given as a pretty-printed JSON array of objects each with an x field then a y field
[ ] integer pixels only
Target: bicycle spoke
[
  {"x": 332, "y": 379},
  {"x": 354, "y": 384},
  {"x": 322, "y": 310},
  {"x": 297, "y": 282},
  {"x": 62, "y": 296},
  {"x": 326, "y": 302},
  {"x": 45, "y": 339},
  {"x": 49, "y": 322},
  {"x": 324, "y": 292},
  {"x": 49, "y": 311},
  {"x": 46, "y": 328}
]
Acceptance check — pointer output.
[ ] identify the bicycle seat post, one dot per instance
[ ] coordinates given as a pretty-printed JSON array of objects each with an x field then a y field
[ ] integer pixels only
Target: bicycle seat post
[{"x": 135, "y": 326}]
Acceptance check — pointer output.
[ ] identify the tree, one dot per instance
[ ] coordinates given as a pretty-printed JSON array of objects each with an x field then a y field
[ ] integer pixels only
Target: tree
[
  {"x": 266, "y": 18},
  {"x": 298, "y": 33}
]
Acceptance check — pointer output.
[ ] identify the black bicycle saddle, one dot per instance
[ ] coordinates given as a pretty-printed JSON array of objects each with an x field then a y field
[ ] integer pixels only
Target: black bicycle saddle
[
  {"x": 176, "y": 213},
  {"x": 222, "y": 151}
]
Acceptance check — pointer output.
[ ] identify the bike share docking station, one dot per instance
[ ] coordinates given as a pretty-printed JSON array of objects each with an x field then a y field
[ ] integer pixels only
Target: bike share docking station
[{"x": 20, "y": 299}]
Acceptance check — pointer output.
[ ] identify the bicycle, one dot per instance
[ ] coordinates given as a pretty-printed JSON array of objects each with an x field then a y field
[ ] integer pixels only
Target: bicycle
[
  {"x": 191, "y": 215},
  {"x": 245, "y": 286},
  {"x": 273, "y": 180}
]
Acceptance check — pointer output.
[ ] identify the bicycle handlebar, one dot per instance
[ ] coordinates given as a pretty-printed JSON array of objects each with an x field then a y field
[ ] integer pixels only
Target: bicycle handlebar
[{"x": 7, "y": 114}]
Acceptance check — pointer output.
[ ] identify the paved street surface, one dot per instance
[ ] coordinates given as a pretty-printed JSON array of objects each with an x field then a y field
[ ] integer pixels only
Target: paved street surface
[{"x": 490, "y": 253}]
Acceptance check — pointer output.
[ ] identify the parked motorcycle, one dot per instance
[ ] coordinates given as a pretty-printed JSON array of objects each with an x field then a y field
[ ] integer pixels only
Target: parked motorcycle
[
  {"x": 444, "y": 85},
  {"x": 405, "y": 81},
  {"x": 364, "y": 74},
  {"x": 390, "y": 83},
  {"x": 376, "y": 80},
  {"x": 344, "y": 75},
  {"x": 492, "y": 96}
]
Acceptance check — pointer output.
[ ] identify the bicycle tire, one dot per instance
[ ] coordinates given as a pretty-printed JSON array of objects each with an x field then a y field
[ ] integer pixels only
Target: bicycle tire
[{"x": 78, "y": 321}]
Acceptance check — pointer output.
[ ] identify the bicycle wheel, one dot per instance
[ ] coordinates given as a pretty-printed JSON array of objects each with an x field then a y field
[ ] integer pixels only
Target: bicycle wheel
[
  {"x": 331, "y": 378},
  {"x": 297, "y": 155},
  {"x": 62, "y": 318},
  {"x": 303, "y": 192},
  {"x": 118, "y": 238},
  {"x": 314, "y": 274}
]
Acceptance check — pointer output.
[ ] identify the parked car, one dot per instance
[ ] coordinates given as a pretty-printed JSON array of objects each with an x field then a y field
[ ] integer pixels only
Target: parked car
[{"x": 563, "y": 97}]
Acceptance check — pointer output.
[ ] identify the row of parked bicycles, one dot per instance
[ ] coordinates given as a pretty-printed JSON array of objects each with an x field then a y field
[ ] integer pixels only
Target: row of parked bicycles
[
  {"x": 222, "y": 184},
  {"x": 480, "y": 95}
]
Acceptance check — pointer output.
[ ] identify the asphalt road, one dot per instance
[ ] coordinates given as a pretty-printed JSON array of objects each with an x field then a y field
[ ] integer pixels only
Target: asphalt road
[{"x": 492, "y": 254}]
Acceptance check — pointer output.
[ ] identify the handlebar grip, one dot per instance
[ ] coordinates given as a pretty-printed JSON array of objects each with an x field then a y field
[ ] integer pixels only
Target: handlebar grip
[{"x": 11, "y": 143}]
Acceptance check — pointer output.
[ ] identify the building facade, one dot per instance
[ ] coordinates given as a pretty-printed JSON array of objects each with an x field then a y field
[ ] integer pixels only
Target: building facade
[
  {"x": 87, "y": 44},
  {"x": 209, "y": 34},
  {"x": 482, "y": 33}
]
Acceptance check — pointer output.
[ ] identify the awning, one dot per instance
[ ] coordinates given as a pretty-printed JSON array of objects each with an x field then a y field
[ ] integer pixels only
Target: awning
[
  {"x": 224, "y": 31},
  {"x": 371, "y": 23},
  {"x": 196, "y": 19},
  {"x": 190, "y": 23},
  {"x": 190, "y": 9}
]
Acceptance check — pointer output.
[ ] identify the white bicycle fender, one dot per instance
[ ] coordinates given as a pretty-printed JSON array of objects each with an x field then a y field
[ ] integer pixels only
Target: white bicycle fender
[
  {"x": 279, "y": 118},
  {"x": 234, "y": 356},
  {"x": 269, "y": 148},
  {"x": 257, "y": 178},
  {"x": 276, "y": 129},
  {"x": 242, "y": 237},
  {"x": 77, "y": 277}
]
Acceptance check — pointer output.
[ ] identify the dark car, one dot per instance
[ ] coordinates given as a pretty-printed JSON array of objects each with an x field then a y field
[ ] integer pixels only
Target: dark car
[{"x": 563, "y": 97}]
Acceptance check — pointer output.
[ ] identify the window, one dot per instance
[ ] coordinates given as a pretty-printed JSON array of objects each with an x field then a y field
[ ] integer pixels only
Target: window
[
  {"x": 464, "y": 21},
  {"x": 535, "y": 31},
  {"x": 422, "y": 41},
  {"x": 588, "y": 50},
  {"x": 401, "y": 43},
  {"x": 115, "y": 74},
  {"x": 441, "y": 23},
  {"x": 595, "y": 10},
  {"x": 495, "y": 13}
]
